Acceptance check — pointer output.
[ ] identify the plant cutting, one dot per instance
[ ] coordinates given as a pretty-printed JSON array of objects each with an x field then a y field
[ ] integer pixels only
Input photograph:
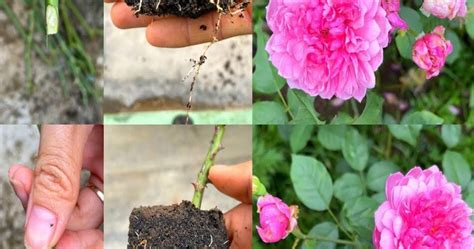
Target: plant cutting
[
  {"x": 182, "y": 225},
  {"x": 191, "y": 9}
]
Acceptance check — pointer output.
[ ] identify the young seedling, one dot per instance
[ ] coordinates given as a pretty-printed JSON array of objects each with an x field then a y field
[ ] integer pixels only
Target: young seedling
[{"x": 52, "y": 17}]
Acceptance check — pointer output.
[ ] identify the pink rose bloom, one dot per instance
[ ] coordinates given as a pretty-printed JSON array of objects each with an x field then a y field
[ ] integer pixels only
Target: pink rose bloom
[
  {"x": 392, "y": 7},
  {"x": 445, "y": 8},
  {"x": 277, "y": 220},
  {"x": 328, "y": 48},
  {"x": 422, "y": 210},
  {"x": 431, "y": 50}
]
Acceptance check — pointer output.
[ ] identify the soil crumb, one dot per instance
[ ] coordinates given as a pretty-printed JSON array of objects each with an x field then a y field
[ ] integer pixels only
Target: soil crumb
[
  {"x": 183, "y": 8},
  {"x": 177, "y": 226}
]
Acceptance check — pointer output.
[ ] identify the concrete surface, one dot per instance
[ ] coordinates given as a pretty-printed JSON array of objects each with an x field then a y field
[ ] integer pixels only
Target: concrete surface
[
  {"x": 138, "y": 72},
  {"x": 18, "y": 144},
  {"x": 234, "y": 117},
  {"x": 152, "y": 165}
]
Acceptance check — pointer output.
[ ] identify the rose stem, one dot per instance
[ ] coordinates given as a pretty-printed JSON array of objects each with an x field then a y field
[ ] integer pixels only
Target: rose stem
[
  {"x": 52, "y": 16},
  {"x": 215, "y": 147}
]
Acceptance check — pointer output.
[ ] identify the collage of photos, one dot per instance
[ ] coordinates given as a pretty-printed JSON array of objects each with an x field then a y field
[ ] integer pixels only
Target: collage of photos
[{"x": 237, "y": 124}]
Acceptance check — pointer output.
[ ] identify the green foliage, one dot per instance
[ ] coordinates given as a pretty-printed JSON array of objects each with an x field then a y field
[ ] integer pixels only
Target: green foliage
[
  {"x": 445, "y": 99},
  {"x": 326, "y": 230},
  {"x": 336, "y": 192},
  {"x": 267, "y": 112},
  {"x": 311, "y": 181},
  {"x": 66, "y": 51}
]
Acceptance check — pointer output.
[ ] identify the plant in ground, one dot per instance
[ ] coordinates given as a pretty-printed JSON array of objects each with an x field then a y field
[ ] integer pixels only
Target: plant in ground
[{"x": 339, "y": 176}]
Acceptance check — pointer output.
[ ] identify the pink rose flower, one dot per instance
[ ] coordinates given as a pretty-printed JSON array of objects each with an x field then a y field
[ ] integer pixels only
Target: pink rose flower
[
  {"x": 328, "y": 48},
  {"x": 422, "y": 210},
  {"x": 445, "y": 8},
  {"x": 392, "y": 7},
  {"x": 431, "y": 50},
  {"x": 277, "y": 220}
]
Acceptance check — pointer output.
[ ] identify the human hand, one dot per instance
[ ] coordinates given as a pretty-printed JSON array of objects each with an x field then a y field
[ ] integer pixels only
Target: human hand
[
  {"x": 173, "y": 31},
  {"x": 236, "y": 181},
  {"x": 58, "y": 212}
]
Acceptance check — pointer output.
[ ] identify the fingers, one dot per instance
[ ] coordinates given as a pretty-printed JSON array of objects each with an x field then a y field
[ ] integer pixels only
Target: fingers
[
  {"x": 238, "y": 222},
  {"x": 235, "y": 181},
  {"x": 90, "y": 239},
  {"x": 88, "y": 214},
  {"x": 175, "y": 32},
  {"x": 124, "y": 18},
  {"x": 55, "y": 186},
  {"x": 21, "y": 178},
  {"x": 94, "y": 152}
]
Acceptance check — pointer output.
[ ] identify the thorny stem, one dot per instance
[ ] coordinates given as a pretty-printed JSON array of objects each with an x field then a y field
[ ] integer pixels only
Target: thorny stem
[{"x": 200, "y": 185}]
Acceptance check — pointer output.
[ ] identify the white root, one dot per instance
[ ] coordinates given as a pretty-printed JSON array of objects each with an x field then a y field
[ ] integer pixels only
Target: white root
[
  {"x": 139, "y": 7},
  {"x": 158, "y": 4}
]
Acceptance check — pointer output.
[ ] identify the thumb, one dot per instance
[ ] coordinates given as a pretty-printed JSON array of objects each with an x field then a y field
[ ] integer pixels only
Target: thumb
[{"x": 55, "y": 188}]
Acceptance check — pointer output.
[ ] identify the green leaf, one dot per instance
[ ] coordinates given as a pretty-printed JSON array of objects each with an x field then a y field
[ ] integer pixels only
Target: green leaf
[
  {"x": 404, "y": 42},
  {"x": 456, "y": 168},
  {"x": 300, "y": 135},
  {"x": 451, "y": 135},
  {"x": 331, "y": 137},
  {"x": 422, "y": 118},
  {"x": 407, "y": 133},
  {"x": 355, "y": 149},
  {"x": 348, "y": 187},
  {"x": 372, "y": 113},
  {"x": 359, "y": 213},
  {"x": 405, "y": 39},
  {"x": 470, "y": 187},
  {"x": 323, "y": 230},
  {"x": 412, "y": 18},
  {"x": 379, "y": 197},
  {"x": 378, "y": 173},
  {"x": 302, "y": 106},
  {"x": 457, "y": 46},
  {"x": 311, "y": 181},
  {"x": 342, "y": 118},
  {"x": 470, "y": 22},
  {"x": 471, "y": 99},
  {"x": 265, "y": 78},
  {"x": 268, "y": 112}
]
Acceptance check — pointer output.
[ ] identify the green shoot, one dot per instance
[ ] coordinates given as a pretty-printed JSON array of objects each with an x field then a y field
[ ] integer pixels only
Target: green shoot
[{"x": 52, "y": 17}]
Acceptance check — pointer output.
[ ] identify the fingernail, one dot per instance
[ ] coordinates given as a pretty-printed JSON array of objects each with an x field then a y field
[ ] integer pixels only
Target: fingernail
[
  {"x": 40, "y": 228},
  {"x": 19, "y": 191}
]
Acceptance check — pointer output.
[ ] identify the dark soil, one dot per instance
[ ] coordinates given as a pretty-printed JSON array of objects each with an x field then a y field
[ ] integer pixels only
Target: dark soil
[
  {"x": 183, "y": 8},
  {"x": 177, "y": 226}
]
